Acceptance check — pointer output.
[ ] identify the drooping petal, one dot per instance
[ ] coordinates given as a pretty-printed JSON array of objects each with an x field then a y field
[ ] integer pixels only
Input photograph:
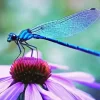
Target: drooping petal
[
  {"x": 32, "y": 93},
  {"x": 55, "y": 66},
  {"x": 85, "y": 95},
  {"x": 73, "y": 91},
  {"x": 60, "y": 91},
  {"x": 4, "y": 70},
  {"x": 81, "y": 78},
  {"x": 5, "y": 78},
  {"x": 47, "y": 95},
  {"x": 63, "y": 80},
  {"x": 5, "y": 83},
  {"x": 77, "y": 76},
  {"x": 35, "y": 54},
  {"x": 90, "y": 84},
  {"x": 12, "y": 92}
]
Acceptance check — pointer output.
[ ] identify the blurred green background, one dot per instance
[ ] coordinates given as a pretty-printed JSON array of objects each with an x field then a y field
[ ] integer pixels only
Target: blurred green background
[{"x": 22, "y": 14}]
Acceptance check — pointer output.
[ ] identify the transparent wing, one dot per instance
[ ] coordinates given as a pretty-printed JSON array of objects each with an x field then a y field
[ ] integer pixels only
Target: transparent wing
[{"x": 68, "y": 26}]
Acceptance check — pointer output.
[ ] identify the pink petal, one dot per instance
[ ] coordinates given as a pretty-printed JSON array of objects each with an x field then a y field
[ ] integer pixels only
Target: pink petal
[
  {"x": 47, "y": 95},
  {"x": 34, "y": 54},
  {"x": 85, "y": 95},
  {"x": 5, "y": 83},
  {"x": 12, "y": 92},
  {"x": 4, "y": 70},
  {"x": 90, "y": 84},
  {"x": 77, "y": 76},
  {"x": 72, "y": 91},
  {"x": 56, "y": 66},
  {"x": 31, "y": 93},
  {"x": 78, "y": 94},
  {"x": 59, "y": 90},
  {"x": 63, "y": 80}
]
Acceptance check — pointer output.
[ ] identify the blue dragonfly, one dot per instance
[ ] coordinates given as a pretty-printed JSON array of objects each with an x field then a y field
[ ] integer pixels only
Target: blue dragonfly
[{"x": 65, "y": 27}]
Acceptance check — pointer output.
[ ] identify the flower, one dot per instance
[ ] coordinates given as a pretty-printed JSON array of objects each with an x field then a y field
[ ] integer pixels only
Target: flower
[{"x": 32, "y": 79}]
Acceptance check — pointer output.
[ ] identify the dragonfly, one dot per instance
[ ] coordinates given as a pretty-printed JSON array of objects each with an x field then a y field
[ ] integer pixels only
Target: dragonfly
[{"x": 64, "y": 27}]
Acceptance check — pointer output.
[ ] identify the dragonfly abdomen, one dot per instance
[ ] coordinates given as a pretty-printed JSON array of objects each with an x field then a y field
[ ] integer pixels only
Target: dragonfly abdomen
[
  {"x": 73, "y": 46},
  {"x": 84, "y": 49}
]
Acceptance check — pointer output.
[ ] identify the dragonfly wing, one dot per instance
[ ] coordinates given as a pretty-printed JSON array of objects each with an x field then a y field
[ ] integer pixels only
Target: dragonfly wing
[{"x": 68, "y": 26}]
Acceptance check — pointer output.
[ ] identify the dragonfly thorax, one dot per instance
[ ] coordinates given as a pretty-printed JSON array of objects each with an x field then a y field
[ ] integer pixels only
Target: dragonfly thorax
[{"x": 11, "y": 37}]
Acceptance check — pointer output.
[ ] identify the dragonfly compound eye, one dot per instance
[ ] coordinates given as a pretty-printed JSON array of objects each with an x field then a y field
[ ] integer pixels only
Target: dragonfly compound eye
[{"x": 13, "y": 37}]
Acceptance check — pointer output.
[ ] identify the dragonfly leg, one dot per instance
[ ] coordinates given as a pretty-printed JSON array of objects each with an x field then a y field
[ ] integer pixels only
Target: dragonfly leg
[
  {"x": 31, "y": 47},
  {"x": 23, "y": 48},
  {"x": 20, "y": 51}
]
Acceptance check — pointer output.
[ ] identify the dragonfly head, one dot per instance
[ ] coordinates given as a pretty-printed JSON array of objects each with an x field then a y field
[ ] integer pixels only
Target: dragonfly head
[{"x": 11, "y": 37}]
